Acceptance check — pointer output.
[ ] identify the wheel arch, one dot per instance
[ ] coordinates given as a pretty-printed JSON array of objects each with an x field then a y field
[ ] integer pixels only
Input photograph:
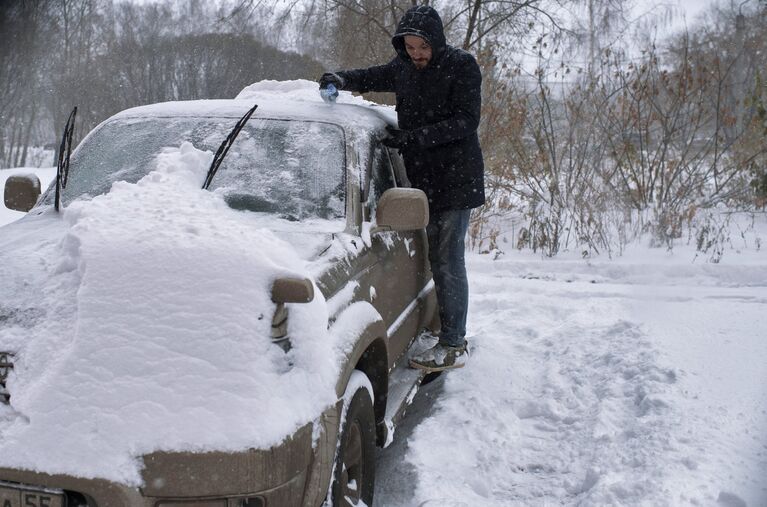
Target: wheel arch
[{"x": 370, "y": 355}]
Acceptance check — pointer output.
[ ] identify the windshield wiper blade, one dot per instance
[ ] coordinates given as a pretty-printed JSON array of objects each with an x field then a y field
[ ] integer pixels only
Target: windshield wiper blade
[
  {"x": 62, "y": 168},
  {"x": 224, "y": 148}
]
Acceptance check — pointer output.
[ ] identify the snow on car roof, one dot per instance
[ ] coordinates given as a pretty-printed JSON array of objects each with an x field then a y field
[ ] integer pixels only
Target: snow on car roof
[{"x": 297, "y": 99}]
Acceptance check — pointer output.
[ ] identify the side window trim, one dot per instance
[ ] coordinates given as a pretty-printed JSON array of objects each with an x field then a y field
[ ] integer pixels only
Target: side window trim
[
  {"x": 367, "y": 177},
  {"x": 390, "y": 164},
  {"x": 398, "y": 167}
]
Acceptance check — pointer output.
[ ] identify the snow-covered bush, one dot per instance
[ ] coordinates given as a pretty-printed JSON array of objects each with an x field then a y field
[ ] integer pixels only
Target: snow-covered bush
[{"x": 646, "y": 147}]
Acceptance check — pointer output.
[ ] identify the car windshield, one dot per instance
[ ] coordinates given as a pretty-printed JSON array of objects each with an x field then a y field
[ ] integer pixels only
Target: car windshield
[{"x": 291, "y": 168}]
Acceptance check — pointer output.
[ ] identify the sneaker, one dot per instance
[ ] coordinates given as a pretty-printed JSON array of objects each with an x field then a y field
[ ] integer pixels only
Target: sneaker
[
  {"x": 428, "y": 336},
  {"x": 440, "y": 357}
]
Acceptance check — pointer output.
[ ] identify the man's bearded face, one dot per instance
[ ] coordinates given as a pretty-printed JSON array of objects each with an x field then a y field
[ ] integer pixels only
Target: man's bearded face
[{"x": 419, "y": 50}]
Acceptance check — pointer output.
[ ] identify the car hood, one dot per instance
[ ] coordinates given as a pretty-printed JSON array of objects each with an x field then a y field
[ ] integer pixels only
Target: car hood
[{"x": 138, "y": 318}]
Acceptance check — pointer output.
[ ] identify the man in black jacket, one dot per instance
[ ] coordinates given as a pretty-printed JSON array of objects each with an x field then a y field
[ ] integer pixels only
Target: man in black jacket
[{"x": 438, "y": 105}]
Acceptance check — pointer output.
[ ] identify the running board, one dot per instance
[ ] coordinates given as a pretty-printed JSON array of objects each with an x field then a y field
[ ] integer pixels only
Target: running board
[{"x": 404, "y": 382}]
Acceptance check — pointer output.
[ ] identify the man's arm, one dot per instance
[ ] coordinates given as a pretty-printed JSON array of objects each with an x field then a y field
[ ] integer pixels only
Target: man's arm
[
  {"x": 379, "y": 78},
  {"x": 466, "y": 101}
]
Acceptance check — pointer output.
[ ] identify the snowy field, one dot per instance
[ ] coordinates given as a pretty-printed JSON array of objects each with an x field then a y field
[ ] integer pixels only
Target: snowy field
[{"x": 640, "y": 381}]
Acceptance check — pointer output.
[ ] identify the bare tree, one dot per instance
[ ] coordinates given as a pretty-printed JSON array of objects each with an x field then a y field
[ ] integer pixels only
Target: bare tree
[
  {"x": 642, "y": 145},
  {"x": 22, "y": 31}
]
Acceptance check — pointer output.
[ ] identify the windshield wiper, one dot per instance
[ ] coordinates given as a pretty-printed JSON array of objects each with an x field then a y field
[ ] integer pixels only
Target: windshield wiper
[
  {"x": 224, "y": 148},
  {"x": 62, "y": 168}
]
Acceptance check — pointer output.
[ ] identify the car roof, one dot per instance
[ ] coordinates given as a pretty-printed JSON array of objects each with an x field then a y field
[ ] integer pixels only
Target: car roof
[{"x": 347, "y": 115}]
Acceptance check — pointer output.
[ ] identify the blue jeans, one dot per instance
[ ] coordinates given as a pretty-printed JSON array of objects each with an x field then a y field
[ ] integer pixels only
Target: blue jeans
[{"x": 446, "y": 232}]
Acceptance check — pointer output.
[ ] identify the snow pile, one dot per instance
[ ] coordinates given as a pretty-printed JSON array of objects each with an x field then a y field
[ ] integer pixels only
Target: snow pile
[
  {"x": 151, "y": 321},
  {"x": 300, "y": 90},
  {"x": 637, "y": 382},
  {"x": 304, "y": 97}
]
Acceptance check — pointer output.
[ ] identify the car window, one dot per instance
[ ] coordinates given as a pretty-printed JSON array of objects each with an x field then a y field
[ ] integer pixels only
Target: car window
[{"x": 293, "y": 168}]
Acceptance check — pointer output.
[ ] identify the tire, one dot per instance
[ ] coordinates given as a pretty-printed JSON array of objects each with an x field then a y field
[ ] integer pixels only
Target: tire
[{"x": 354, "y": 469}]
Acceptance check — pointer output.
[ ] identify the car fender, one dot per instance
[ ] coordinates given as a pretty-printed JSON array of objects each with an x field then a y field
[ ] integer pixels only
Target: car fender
[
  {"x": 369, "y": 354},
  {"x": 373, "y": 332}
]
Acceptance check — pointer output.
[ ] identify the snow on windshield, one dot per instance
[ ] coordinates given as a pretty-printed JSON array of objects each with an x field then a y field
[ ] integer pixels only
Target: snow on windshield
[
  {"x": 291, "y": 168},
  {"x": 154, "y": 310}
]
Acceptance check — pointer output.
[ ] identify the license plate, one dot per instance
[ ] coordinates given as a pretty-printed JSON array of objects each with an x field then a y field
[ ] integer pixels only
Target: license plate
[{"x": 26, "y": 497}]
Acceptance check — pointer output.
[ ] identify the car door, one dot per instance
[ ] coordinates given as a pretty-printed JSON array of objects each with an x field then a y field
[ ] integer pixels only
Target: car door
[
  {"x": 387, "y": 269},
  {"x": 401, "y": 273}
]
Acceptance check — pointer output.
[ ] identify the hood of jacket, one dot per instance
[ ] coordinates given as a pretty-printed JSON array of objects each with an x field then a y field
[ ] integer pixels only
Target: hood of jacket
[{"x": 422, "y": 21}]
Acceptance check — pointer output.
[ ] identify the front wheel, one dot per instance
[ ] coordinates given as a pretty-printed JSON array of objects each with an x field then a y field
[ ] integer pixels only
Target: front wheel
[{"x": 354, "y": 471}]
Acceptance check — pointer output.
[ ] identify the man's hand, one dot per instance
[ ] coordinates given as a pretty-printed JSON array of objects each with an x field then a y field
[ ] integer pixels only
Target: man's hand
[
  {"x": 398, "y": 139},
  {"x": 329, "y": 78}
]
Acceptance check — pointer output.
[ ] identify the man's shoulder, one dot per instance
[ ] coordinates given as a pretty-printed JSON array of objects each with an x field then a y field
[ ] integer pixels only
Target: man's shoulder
[{"x": 459, "y": 57}]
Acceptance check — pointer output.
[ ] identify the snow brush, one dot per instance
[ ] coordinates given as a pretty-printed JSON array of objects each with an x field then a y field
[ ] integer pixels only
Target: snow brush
[{"x": 329, "y": 94}]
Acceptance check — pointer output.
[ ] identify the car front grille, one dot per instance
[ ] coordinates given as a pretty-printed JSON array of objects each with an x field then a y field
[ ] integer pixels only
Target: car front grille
[{"x": 6, "y": 365}]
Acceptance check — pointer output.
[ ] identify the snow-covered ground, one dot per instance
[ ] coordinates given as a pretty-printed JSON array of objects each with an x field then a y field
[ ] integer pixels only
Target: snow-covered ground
[{"x": 639, "y": 381}]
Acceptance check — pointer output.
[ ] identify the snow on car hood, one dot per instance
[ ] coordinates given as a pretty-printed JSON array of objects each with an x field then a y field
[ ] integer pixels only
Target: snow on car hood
[{"x": 141, "y": 316}]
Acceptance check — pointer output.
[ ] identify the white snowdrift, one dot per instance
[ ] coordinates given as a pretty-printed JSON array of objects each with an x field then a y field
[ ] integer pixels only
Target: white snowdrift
[{"x": 151, "y": 321}]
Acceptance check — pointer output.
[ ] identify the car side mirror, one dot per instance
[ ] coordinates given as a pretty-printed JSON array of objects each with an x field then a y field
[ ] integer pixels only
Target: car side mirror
[
  {"x": 21, "y": 192},
  {"x": 292, "y": 290},
  {"x": 402, "y": 209}
]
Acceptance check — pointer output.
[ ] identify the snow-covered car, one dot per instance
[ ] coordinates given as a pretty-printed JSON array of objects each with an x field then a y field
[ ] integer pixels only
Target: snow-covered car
[{"x": 244, "y": 344}]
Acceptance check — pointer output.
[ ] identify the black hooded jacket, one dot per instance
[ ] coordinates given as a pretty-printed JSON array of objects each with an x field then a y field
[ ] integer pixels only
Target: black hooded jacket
[{"x": 440, "y": 105}]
